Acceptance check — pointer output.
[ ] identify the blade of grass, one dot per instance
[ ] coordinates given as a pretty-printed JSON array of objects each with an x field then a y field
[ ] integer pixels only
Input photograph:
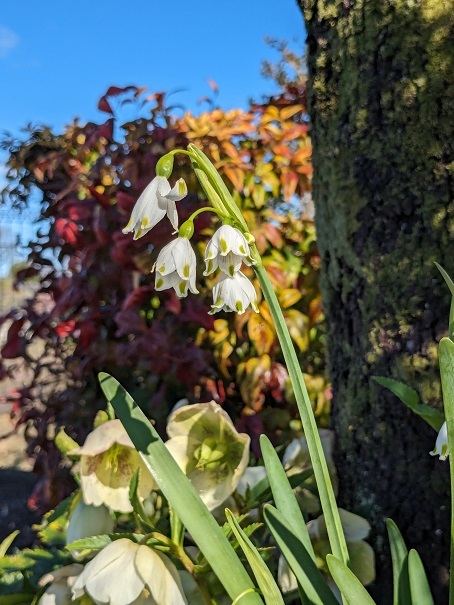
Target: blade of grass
[
  {"x": 399, "y": 557},
  {"x": 349, "y": 585}
]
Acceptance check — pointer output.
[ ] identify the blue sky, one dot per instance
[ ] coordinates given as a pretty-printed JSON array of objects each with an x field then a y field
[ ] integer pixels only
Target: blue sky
[{"x": 58, "y": 57}]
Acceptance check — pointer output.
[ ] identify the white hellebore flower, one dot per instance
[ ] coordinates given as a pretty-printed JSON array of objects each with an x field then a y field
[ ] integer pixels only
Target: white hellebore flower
[
  {"x": 126, "y": 573},
  {"x": 441, "y": 445},
  {"x": 176, "y": 267},
  {"x": 234, "y": 294},
  {"x": 157, "y": 200},
  {"x": 227, "y": 249},
  {"x": 60, "y": 583},
  {"x": 108, "y": 462},
  {"x": 208, "y": 448}
]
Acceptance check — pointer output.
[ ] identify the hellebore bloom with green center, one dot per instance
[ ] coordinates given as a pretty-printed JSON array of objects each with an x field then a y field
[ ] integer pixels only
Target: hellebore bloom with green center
[
  {"x": 227, "y": 249},
  {"x": 209, "y": 450},
  {"x": 108, "y": 462},
  {"x": 157, "y": 200},
  {"x": 176, "y": 267}
]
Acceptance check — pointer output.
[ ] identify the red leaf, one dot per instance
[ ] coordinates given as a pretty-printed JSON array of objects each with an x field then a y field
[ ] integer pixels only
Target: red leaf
[
  {"x": 68, "y": 231},
  {"x": 112, "y": 91}
]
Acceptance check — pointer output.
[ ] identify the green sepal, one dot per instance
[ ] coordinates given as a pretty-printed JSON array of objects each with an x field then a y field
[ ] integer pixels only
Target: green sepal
[
  {"x": 399, "y": 557},
  {"x": 351, "y": 588},
  {"x": 95, "y": 543},
  {"x": 267, "y": 584},
  {"x": 419, "y": 586},
  {"x": 410, "y": 398},
  {"x": 101, "y": 418}
]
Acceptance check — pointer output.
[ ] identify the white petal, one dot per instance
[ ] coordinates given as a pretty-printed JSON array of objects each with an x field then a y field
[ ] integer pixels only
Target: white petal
[
  {"x": 230, "y": 263},
  {"x": 147, "y": 198},
  {"x": 214, "y": 487},
  {"x": 184, "y": 258},
  {"x": 178, "y": 191},
  {"x": 165, "y": 263},
  {"x": 111, "y": 577},
  {"x": 211, "y": 250},
  {"x": 102, "y": 438},
  {"x": 160, "y": 575},
  {"x": 163, "y": 282},
  {"x": 172, "y": 214},
  {"x": 441, "y": 445}
]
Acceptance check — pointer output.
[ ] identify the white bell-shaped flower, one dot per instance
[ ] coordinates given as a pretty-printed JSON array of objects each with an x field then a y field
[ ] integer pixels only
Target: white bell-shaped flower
[
  {"x": 157, "y": 200},
  {"x": 126, "y": 573},
  {"x": 60, "y": 582},
  {"x": 234, "y": 294},
  {"x": 108, "y": 460},
  {"x": 176, "y": 267},
  {"x": 441, "y": 445},
  {"x": 227, "y": 249}
]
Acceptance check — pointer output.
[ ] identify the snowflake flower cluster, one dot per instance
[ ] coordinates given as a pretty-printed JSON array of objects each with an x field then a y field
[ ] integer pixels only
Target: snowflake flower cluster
[{"x": 175, "y": 266}]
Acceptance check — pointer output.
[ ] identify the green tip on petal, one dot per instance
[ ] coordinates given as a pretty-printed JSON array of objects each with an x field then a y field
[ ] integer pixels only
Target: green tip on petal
[
  {"x": 239, "y": 306},
  {"x": 231, "y": 270},
  {"x": 224, "y": 246},
  {"x": 186, "y": 271},
  {"x": 159, "y": 282},
  {"x": 182, "y": 287}
]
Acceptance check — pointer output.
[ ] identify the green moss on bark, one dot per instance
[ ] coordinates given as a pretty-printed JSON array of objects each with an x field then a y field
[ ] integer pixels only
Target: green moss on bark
[{"x": 381, "y": 94}]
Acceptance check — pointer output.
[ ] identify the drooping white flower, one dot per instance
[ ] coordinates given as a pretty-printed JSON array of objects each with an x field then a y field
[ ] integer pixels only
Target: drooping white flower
[
  {"x": 441, "y": 445},
  {"x": 227, "y": 249},
  {"x": 87, "y": 520},
  {"x": 107, "y": 464},
  {"x": 176, "y": 267},
  {"x": 209, "y": 450},
  {"x": 126, "y": 573},
  {"x": 60, "y": 583},
  {"x": 157, "y": 200},
  {"x": 234, "y": 294}
]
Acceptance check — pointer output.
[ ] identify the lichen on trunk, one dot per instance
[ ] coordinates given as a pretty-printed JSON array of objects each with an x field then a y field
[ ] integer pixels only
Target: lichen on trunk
[{"x": 381, "y": 102}]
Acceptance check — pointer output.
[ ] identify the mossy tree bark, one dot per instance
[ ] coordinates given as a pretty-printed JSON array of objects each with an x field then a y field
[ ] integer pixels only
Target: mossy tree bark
[{"x": 381, "y": 98}]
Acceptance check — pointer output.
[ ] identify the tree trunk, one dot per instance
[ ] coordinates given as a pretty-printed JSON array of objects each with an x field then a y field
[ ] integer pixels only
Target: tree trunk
[{"x": 381, "y": 99}]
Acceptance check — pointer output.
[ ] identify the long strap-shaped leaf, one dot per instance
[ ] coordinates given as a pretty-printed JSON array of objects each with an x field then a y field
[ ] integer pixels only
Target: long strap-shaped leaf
[
  {"x": 298, "y": 558},
  {"x": 181, "y": 494},
  {"x": 267, "y": 584},
  {"x": 419, "y": 586},
  {"x": 349, "y": 585},
  {"x": 399, "y": 556}
]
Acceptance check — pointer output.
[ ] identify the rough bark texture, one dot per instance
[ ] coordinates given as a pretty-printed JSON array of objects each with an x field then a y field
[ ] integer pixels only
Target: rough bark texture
[{"x": 381, "y": 94}]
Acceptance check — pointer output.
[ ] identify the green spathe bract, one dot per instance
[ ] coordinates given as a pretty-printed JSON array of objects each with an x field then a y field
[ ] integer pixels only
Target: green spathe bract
[{"x": 180, "y": 493}]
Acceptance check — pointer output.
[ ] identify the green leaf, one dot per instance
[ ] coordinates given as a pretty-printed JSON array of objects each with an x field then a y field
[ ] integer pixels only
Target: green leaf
[
  {"x": 261, "y": 492},
  {"x": 399, "y": 557},
  {"x": 180, "y": 493},
  {"x": 419, "y": 586},
  {"x": 349, "y": 585},
  {"x": 61, "y": 509},
  {"x": 137, "y": 505},
  {"x": 299, "y": 558},
  {"x": 450, "y": 284},
  {"x": 7, "y": 542},
  {"x": 264, "y": 577},
  {"x": 411, "y": 399},
  {"x": 101, "y": 541}
]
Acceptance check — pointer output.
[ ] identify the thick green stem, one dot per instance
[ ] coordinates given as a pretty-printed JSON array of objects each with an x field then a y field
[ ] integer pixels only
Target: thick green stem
[
  {"x": 446, "y": 356},
  {"x": 324, "y": 485}
]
